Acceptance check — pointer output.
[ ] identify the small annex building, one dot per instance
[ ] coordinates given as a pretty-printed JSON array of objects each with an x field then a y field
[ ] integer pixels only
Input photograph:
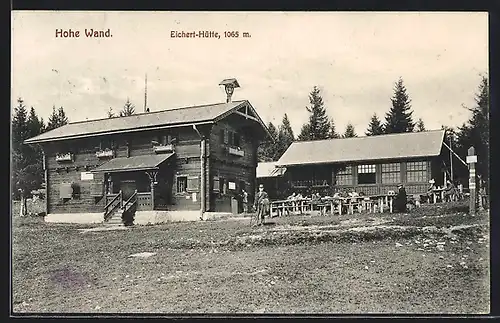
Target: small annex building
[
  {"x": 273, "y": 178},
  {"x": 372, "y": 165}
]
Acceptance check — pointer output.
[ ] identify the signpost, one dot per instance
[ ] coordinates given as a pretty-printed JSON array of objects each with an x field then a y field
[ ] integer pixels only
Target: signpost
[{"x": 472, "y": 160}]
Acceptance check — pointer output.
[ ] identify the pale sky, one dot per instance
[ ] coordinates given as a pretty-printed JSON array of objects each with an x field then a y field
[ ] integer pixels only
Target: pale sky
[{"x": 353, "y": 57}]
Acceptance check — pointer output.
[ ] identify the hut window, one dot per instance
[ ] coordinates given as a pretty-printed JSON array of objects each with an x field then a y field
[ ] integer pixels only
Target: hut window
[
  {"x": 181, "y": 184},
  {"x": 344, "y": 177},
  {"x": 224, "y": 136},
  {"x": 162, "y": 139},
  {"x": 416, "y": 172},
  {"x": 106, "y": 143},
  {"x": 367, "y": 174},
  {"x": 236, "y": 139},
  {"x": 216, "y": 187},
  {"x": 65, "y": 191},
  {"x": 391, "y": 173},
  {"x": 193, "y": 184}
]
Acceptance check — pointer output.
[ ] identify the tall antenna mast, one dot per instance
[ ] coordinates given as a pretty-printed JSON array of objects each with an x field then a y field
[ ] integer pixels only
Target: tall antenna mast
[{"x": 146, "y": 94}]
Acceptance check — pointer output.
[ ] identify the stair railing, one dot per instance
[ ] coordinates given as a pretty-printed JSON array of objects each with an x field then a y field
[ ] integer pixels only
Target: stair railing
[
  {"x": 111, "y": 207},
  {"x": 130, "y": 202}
]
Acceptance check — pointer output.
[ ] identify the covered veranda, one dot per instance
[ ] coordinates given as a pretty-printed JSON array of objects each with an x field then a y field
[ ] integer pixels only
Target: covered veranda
[{"x": 146, "y": 178}]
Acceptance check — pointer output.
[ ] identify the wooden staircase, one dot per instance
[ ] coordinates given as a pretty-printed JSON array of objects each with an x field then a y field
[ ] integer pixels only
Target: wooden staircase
[
  {"x": 113, "y": 211},
  {"x": 115, "y": 219}
]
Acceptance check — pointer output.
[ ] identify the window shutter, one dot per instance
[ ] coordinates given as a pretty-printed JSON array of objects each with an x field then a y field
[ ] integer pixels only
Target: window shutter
[
  {"x": 65, "y": 191},
  {"x": 225, "y": 136},
  {"x": 193, "y": 183}
]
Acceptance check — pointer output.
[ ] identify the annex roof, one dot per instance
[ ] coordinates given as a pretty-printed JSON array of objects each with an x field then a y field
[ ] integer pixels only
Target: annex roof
[
  {"x": 370, "y": 148},
  {"x": 129, "y": 164},
  {"x": 269, "y": 169},
  {"x": 152, "y": 120}
]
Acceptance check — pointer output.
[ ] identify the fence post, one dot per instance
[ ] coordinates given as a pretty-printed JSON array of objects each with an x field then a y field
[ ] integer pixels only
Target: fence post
[{"x": 472, "y": 160}]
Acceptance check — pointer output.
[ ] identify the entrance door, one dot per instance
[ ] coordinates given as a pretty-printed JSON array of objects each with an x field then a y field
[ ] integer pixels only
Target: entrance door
[{"x": 128, "y": 188}]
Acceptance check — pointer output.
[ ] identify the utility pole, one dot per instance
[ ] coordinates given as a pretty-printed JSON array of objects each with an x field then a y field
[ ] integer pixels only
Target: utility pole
[
  {"x": 146, "y": 93},
  {"x": 451, "y": 162}
]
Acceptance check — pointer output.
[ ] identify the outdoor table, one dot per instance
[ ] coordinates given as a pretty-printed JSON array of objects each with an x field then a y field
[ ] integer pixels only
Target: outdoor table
[
  {"x": 352, "y": 201},
  {"x": 281, "y": 206},
  {"x": 384, "y": 199},
  {"x": 332, "y": 201},
  {"x": 435, "y": 193}
]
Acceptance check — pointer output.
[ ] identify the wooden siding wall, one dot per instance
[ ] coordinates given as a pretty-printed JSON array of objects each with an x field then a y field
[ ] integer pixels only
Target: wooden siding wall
[
  {"x": 187, "y": 159},
  {"x": 229, "y": 167},
  {"x": 187, "y": 163},
  {"x": 302, "y": 172},
  {"x": 85, "y": 156}
]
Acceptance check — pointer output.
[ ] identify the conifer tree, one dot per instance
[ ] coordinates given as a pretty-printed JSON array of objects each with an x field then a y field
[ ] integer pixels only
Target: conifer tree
[
  {"x": 349, "y": 131},
  {"x": 375, "y": 126},
  {"x": 399, "y": 118},
  {"x": 285, "y": 137},
  {"x": 128, "y": 109},
  {"x": 266, "y": 151},
  {"x": 318, "y": 126},
  {"x": 420, "y": 126}
]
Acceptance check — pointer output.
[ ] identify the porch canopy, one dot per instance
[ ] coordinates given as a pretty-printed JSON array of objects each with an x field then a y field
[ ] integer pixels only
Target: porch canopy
[{"x": 132, "y": 164}]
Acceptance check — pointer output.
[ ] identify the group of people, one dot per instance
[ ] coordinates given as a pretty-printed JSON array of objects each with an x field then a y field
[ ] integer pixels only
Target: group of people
[
  {"x": 450, "y": 191},
  {"x": 261, "y": 204}
]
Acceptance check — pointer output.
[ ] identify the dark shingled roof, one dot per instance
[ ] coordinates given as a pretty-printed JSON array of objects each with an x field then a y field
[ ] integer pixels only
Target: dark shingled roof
[
  {"x": 383, "y": 147},
  {"x": 172, "y": 117},
  {"x": 135, "y": 163}
]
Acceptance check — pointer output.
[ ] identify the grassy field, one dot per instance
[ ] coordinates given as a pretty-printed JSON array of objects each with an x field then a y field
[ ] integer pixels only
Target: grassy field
[{"x": 433, "y": 260}]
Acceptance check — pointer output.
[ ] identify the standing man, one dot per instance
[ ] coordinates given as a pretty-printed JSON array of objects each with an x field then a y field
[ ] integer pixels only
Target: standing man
[
  {"x": 261, "y": 204},
  {"x": 244, "y": 199},
  {"x": 400, "y": 200}
]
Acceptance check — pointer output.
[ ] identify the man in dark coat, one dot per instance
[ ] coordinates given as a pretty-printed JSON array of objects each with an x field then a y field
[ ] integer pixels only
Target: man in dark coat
[
  {"x": 400, "y": 200},
  {"x": 261, "y": 204}
]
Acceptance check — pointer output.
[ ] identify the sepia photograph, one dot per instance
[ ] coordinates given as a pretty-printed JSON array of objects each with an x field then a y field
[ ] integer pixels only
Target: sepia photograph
[{"x": 257, "y": 163}]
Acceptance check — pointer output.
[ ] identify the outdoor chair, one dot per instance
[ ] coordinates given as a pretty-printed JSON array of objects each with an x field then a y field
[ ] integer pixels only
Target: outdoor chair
[
  {"x": 323, "y": 208},
  {"x": 354, "y": 206},
  {"x": 367, "y": 204}
]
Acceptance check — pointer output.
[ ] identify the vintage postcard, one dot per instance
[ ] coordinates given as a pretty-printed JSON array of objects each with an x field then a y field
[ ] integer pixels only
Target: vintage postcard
[{"x": 255, "y": 163}]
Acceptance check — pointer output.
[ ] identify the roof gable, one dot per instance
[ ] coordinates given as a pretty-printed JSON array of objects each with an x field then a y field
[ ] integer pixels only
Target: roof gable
[
  {"x": 145, "y": 121},
  {"x": 383, "y": 147}
]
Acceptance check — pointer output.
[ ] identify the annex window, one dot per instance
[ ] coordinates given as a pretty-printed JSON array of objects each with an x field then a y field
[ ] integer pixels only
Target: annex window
[
  {"x": 367, "y": 174},
  {"x": 416, "y": 172},
  {"x": 391, "y": 173},
  {"x": 181, "y": 184},
  {"x": 344, "y": 177}
]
